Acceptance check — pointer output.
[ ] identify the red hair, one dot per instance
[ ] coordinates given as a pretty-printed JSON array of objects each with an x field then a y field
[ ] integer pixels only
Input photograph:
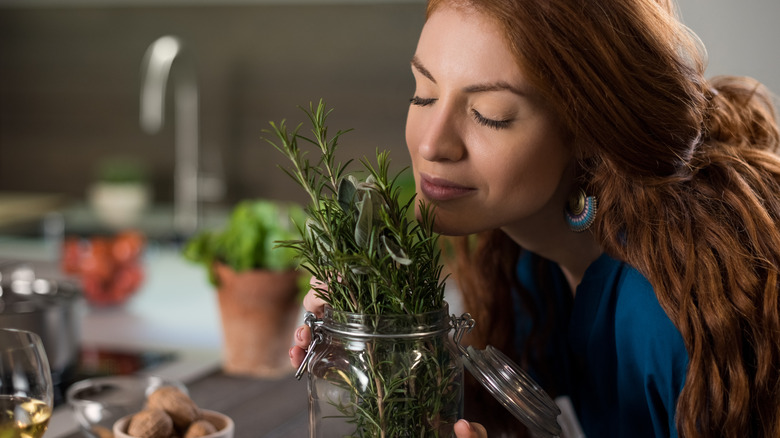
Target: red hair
[{"x": 688, "y": 181}]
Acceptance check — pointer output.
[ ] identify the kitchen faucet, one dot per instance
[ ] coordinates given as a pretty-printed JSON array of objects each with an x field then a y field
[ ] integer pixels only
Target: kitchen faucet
[{"x": 156, "y": 68}]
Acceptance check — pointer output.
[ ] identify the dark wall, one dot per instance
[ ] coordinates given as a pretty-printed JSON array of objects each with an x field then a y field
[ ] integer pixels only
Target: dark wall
[{"x": 69, "y": 87}]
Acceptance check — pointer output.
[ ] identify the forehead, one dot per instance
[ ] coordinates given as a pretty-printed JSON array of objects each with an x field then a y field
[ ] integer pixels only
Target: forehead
[{"x": 459, "y": 41}]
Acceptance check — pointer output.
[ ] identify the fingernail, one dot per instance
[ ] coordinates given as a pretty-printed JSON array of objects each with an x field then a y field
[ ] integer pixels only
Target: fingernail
[
  {"x": 471, "y": 429},
  {"x": 299, "y": 334},
  {"x": 291, "y": 352}
]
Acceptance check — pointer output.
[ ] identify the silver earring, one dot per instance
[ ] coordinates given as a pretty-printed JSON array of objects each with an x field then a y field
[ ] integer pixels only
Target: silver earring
[{"x": 581, "y": 211}]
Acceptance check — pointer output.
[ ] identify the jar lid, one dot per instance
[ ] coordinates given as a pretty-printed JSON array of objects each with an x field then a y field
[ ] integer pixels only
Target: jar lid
[{"x": 510, "y": 385}]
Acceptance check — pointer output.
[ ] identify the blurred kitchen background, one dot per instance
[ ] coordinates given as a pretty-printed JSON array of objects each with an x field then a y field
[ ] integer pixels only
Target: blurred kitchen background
[
  {"x": 70, "y": 96},
  {"x": 70, "y": 81}
]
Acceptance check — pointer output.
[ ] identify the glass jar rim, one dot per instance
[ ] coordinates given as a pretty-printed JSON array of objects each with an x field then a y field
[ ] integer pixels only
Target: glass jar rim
[{"x": 412, "y": 325}]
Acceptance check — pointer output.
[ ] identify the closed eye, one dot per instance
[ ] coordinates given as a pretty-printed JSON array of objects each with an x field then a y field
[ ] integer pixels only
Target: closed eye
[
  {"x": 422, "y": 101},
  {"x": 490, "y": 123}
]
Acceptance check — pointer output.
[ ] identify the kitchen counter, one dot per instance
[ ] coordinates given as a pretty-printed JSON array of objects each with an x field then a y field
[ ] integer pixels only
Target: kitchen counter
[
  {"x": 175, "y": 307},
  {"x": 267, "y": 408},
  {"x": 175, "y": 310},
  {"x": 20, "y": 207}
]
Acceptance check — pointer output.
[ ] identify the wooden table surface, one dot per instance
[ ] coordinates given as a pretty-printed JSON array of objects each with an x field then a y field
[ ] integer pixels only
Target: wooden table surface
[
  {"x": 260, "y": 408},
  {"x": 268, "y": 408}
]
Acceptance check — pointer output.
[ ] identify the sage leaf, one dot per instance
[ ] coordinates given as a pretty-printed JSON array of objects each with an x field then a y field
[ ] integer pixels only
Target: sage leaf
[
  {"x": 346, "y": 192},
  {"x": 365, "y": 220},
  {"x": 360, "y": 270},
  {"x": 316, "y": 234},
  {"x": 396, "y": 252}
]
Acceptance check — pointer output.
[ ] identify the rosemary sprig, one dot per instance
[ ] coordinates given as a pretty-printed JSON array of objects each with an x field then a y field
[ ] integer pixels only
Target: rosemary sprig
[{"x": 359, "y": 238}]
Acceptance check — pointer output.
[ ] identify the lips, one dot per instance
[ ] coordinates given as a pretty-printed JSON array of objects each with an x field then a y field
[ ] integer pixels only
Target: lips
[{"x": 440, "y": 189}]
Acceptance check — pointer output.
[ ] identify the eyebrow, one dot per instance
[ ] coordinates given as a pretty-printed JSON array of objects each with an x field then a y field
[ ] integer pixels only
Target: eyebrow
[
  {"x": 494, "y": 86},
  {"x": 416, "y": 63}
]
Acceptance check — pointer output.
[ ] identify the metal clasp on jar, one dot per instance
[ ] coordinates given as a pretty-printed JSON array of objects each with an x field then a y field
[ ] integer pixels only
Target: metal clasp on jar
[
  {"x": 316, "y": 337},
  {"x": 462, "y": 325}
]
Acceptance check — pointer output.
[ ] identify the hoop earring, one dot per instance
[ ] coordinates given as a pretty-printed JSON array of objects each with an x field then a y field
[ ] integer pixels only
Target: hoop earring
[{"x": 581, "y": 211}]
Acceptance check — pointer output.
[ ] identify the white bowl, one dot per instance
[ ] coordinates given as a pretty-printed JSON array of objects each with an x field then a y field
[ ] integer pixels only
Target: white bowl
[
  {"x": 223, "y": 423},
  {"x": 99, "y": 402},
  {"x": 119, "y": 205}
]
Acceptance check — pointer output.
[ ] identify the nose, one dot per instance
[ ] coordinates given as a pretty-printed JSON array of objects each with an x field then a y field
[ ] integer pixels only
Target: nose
[{"x": 440, "y": 137}]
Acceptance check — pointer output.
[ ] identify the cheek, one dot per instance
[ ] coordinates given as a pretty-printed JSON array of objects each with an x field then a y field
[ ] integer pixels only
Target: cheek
[
  {"x": 530, "y": 173},
  {"x": 412, "y": 134},
  {"x": 410, "y": 127},
  {"x": 412, "y": 142}
]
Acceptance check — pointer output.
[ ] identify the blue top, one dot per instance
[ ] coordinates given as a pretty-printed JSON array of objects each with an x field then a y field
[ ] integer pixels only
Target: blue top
[{"x": 614, "y": 351}]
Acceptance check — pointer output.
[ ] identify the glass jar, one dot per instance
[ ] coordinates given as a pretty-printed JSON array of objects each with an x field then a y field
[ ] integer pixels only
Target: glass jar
[
  {"x": 402, "y": 376},
  {"x": 384, "y": 376}
]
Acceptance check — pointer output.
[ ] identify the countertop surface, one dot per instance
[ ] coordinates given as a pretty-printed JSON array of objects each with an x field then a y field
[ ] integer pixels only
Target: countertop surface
[
  {"x": 19, "y": 207},
  {"x": 260, "y": 408},
  {"x": 176, "y": 310},
  {"x": 174, "y": 307}
]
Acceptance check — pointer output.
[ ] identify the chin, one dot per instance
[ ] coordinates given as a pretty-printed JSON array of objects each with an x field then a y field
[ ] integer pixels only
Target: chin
[
  {"x": 454, "y": 227},
  {"x": 450, "y": 223}
]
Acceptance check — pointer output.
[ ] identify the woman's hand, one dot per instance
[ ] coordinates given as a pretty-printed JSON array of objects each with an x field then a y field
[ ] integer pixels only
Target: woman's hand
[
  {"x": 302, "y": 337},
  {"x": 464, "y": 429}
]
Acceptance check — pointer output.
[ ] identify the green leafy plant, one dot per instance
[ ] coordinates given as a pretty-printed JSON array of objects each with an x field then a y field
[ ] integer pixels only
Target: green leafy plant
[
  {"x": 359, "y": 238},
  {"x": 121, "y": 170},
  {"x": 249, "y": 241},
  {"x": 376, "y": 260}
]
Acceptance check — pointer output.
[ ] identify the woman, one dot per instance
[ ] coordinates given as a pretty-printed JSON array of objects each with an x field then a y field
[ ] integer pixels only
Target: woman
[{"x": 625, "y": 209}]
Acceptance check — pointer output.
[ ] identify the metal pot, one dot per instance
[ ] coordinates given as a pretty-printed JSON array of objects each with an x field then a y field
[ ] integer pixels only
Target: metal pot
[{"x": 51, "y": 308}]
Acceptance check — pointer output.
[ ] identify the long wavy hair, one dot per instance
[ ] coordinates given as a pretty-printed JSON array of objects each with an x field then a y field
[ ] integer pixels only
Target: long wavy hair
[{"x": 688, "y": 180}]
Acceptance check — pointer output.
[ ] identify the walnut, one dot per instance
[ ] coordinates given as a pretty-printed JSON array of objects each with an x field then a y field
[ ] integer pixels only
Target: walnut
[
  {"x": 200, "y": 428},
  {"x": 150, "y": 423},
  {"x": 102, "y": 432},
  {"x": 178, "y": 405}
]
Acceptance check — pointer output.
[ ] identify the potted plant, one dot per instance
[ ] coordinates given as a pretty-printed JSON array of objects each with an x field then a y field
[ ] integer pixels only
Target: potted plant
[
  {"x": 381, "y": 363},
  {"x": 121, "y": 192},
  {"x": 258, "y": 285}
]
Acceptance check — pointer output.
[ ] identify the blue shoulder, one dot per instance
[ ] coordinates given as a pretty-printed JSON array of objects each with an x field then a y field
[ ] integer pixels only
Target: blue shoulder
[
  {"x": 650, "y": 350},
  {"x": 641, "y": 321}
]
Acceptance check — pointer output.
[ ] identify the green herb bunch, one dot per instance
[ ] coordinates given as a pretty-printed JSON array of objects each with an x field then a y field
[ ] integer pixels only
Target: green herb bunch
[
  {"x": 382, "y": 274},
  {"x": 359, "y": 238}
]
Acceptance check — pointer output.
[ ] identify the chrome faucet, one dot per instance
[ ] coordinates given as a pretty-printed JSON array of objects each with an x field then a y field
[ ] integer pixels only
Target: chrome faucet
[{"x": 155, "y": 71}]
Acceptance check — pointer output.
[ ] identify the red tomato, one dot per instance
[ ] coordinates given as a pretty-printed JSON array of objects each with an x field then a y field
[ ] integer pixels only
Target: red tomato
[
  {"x": 97, "y": 260},
  {"x": 71, "y": 255},
  {"x": 127, "y": 246},
  {"x": 94, "y": 289},
  {"x": 126, "y": 280},
  {"x": 109, "y": 268}
]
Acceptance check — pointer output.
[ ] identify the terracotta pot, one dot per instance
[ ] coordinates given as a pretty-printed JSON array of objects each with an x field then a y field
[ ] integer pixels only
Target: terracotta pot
[{"x": 259, "y": 311}]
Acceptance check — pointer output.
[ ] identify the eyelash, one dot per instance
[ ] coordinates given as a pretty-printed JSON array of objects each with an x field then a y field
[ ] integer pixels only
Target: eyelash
[
  {"x": 420, "y": 101},
  {"x": 490, "y": 123},
  {"x": 482, "y": 120}
]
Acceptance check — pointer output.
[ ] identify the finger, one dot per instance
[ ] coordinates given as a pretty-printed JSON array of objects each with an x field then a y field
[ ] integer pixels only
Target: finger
[
  {"x": 302, "y": 337},
  {"x": 313, "y": 303},
  {"x": 464, "y": 429},
  {"x": 296, "y": 356},
  {"x": 301, "y": 340}
]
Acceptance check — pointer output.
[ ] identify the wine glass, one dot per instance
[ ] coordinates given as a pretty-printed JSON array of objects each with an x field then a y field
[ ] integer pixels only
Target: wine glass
[{"x": 26, "y": 393}]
